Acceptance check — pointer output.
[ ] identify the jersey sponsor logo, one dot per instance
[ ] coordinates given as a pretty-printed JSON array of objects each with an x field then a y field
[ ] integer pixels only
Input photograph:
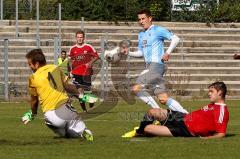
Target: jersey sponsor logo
[
  {"x": 206, "y": 108},
  {"x": 78, "y": 58},
  {"x": 144, "y": 43}
]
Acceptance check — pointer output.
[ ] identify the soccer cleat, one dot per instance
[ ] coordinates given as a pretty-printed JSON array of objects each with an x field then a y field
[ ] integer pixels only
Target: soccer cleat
[
  {"x": 87, "y": 134},
  {"x": 89, "y": 98},
  {"x": 131, "y": 134},
  {"x": 27, "y": 117}
]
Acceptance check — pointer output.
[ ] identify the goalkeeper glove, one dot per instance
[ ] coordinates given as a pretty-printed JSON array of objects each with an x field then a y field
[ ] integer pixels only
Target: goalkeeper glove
[
  {"x": 88, "y": 98},
  {"x": 27, "y": 117}
]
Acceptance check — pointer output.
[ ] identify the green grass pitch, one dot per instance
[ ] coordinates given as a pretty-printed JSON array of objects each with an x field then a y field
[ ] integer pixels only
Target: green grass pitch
[{"x": 36, "y": 141}]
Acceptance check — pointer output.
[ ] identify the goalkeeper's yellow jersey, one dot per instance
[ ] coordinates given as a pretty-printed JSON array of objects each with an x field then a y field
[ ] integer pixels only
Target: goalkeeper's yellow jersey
[{"x": 46, "y": 83}]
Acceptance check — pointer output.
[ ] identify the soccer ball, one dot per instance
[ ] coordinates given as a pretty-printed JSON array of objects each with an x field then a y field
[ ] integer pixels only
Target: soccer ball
[
  {"x": 113, "y": 55},
  {"x": 113, "y": 50}
]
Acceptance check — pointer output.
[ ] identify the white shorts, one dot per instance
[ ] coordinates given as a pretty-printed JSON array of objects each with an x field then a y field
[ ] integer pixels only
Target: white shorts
[
  {"x": 65, "y": 121},
  {"x": 153, "y": 77}
]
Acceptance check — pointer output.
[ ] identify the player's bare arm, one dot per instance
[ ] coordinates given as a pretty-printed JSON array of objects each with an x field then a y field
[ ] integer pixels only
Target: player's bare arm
[
  {"x": 215, "y": 136},
  {"x": 34, "y": 104},
  {"x": 90, "y": 63},
  {"x": 29, "y": 116}
]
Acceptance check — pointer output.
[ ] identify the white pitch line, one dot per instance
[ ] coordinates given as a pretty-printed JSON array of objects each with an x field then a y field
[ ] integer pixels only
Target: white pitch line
[{"x": 136, "y": 139}]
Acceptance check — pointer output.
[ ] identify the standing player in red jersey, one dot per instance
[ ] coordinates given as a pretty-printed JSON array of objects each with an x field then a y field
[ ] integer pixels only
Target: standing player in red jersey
[
  {"x": 208, "y": 122},
  {"x": 82, "y": 57}
]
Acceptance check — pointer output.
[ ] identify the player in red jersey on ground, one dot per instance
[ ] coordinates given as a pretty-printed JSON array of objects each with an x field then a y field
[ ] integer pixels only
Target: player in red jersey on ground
[{"x": 208, "y": 122}]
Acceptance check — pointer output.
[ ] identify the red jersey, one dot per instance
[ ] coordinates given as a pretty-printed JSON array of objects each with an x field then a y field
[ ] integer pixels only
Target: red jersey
[
  {"x": 80, "y": 56},
  {"x": 209, "y": 120}
]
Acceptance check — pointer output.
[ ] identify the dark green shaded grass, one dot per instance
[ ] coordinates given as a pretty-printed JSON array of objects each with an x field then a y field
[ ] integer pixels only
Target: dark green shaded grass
[{"x": 35, "y": 140}]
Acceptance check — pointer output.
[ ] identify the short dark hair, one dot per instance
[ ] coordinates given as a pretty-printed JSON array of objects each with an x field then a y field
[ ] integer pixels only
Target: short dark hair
[
  {"x": 145, "y": 11},
  {"x": 219, "y": 86},
  {"x": 36, "y": 55},
  {"x": 80, "y": 32},
  {"x": 63, "y": 51}
]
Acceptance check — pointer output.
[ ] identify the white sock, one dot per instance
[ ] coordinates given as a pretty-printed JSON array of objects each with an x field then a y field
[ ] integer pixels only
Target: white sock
[
  {"x": 146, "y": 97},
  {"x": 175, "y": 106},
  {"x": 80, "y": 96}
]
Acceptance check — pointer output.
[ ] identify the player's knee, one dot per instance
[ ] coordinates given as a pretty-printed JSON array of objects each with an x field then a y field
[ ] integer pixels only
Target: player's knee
[
  {"x": 59, "y": 131},
  {"x": 163, "y": 98},
  {"x": 136, "y": 88},
  {"x": 148, "y": 129},
  {"x": 75, "y": 128}
]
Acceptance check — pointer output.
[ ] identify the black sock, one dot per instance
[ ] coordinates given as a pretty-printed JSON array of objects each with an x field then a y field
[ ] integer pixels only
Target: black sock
[
  {"x": 142, "y": 126},
  {"x": 83, "y": 106},
  {"x": 146, "y": 121},
  {"x": 91, "y": 105}
]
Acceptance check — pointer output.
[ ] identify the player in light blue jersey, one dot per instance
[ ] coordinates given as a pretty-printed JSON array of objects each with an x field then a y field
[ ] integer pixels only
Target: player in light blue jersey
[{"x": 151, "y": 47}]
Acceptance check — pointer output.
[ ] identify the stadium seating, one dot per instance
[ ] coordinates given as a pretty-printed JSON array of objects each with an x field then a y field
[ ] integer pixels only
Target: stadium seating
[{"x": 205, "y": 53}]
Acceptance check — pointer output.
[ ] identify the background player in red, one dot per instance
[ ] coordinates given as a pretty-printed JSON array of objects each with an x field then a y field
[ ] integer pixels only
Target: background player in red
[
  {"x": 208, "y": 122},
  {"x": 82, "y": 57}
]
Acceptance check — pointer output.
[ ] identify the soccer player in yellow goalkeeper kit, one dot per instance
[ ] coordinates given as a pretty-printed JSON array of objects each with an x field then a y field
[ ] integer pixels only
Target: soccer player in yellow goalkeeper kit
[{"x": 47, "y": 87}]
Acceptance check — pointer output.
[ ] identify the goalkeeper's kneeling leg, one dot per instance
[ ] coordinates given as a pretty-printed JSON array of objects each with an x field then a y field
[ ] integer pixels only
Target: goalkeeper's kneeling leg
[{"x": 75, "y": 128}]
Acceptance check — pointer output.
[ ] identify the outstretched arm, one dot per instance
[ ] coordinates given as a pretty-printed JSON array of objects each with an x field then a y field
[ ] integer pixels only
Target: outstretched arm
[
  {"x": 215, "y": 136},
  {"x": 137, "y": 53}
]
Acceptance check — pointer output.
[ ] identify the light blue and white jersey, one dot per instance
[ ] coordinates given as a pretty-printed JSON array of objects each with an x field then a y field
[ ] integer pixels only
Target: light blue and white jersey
[{"x": 151, "y": 43}]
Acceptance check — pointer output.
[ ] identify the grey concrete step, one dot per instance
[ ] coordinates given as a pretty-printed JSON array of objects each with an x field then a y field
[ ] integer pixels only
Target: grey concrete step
[
  {"x": 175, "y": 70},
  {"x": 205, "y": 70},
  {"x": 214, "y": 50},
  {"x": 185, "y": 43},
  {"x": 202, "y": 56},
  {"x": 117, "y": 36},
  {"x": 97, "y": 42},
  {"x": 18, "y": 62},
  {"x": 17, "y": 70},
  {"x": 22, "y": 48},
  {"x": 22, "y": 56},
  {"x": 125, "y": 23},
  {"x": 28, "y": 42},
  {"x": 119, "y": 29},
  {"x": 204, "y": 63},
  {"x": 186, "y": 63},
  {"x": 174, "y": 56},
  {"x": 179, "y": 49},
  {"x": 175, "y": 30}
]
